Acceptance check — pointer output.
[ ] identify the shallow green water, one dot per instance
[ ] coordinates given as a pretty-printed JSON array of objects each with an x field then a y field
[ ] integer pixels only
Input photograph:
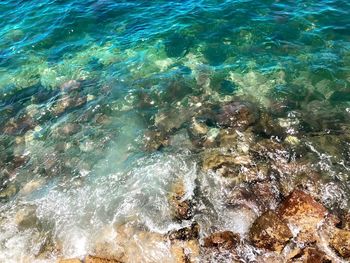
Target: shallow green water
[{"x": 82, "y": 83}]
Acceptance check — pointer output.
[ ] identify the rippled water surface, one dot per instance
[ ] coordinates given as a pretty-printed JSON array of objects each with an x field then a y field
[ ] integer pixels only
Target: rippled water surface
[{"x": 105, "y": 105}]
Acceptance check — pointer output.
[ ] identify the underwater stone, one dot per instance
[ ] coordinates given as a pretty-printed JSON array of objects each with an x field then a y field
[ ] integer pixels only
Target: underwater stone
[
  {"x": 185, "y": 251},
  {"x": 292, "y": 140},
  {"x": 75, "y": 260},
  {"x": 70, "y": 86},
  {"x": 213, "y": 160},
  {"x": 8, "y": 192},
  {"x": 181, "y": 209},
  {"x": 69, "y": 129},
  {"x": 171, "y": 119},
  {"x": 26, "y": 218},
  {"x": 19, "y": 126},
  {"x": 186, "y": 233},
  {"x": 310, "y": 255},
  {"x": 237, "y": 115},
  {"x": 340, "y": 242},
  {"x": 270, "y": 149},
  {"x": 93, "y": 259},
  {"x": 270, "y": 232},
  {"x": 269, "y": 126},
  {"x": 67, "y": 102},
  {"x": 154, "y": 140},
  {"x": 301, "y": 210},
  {"x": 197, "y": 129},
  {"x": 222, "y": 240},
  {"x": 31, "y": 186},
  {"x": 267, "y": 196}
]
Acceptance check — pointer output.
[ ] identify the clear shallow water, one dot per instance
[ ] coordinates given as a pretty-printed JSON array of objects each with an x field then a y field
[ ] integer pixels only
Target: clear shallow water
[{"x": 81, "y": 83}]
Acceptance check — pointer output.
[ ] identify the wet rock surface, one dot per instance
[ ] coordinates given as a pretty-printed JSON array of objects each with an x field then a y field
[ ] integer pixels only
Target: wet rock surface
[
  {"x": 270, "y": 232},
  {"x": 257, "y": 186},
  {"x": 237, "y": 114},
  {"x": 302, "y": 211},
  {"x": 340, "y": 242},
  {"x": 181, "y": 206},
  {"x": 222, "y": 240}
]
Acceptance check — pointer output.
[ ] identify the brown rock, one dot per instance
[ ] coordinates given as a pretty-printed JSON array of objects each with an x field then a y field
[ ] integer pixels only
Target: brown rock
[
  {"x": 154, "y": 140},
  {"x": 237, "y": 114},
  {"x": 67, "y": 102},
  {"x": 135, "y": 244},
  {"x": 345, "y": 221},
  {"x": 213, "y": 160},
  {"x": 181, "y": 208},
  {"x": 225, "y": 240},
  {"x": 93, "y": 259},
  {"x": 186, "y": 233},
  {"x": 270, "y": 232},
  {"x": 185, "y": 251},
  {"x": 266, "y": 195},
  {"x": 310, "y": 255},
  {"x": 340, "y": 242},
  {"x": 269, "y": 126},
  {"x": 73, "y": 260},
  {"x": 301, "y": 210}
]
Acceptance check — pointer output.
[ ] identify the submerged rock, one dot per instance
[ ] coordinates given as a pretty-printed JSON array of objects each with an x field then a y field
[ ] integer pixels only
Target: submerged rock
[
  {"x": 214, "y": 159},
  {"x": 26, "y": 218},
  {"x": 70, "y": 85},
  {"x": 239, "y": 141},
  {"x": 222, "y": 240},
  {"x": 128, "y": 243},
  {"x": 181, "y": 207},
  {"x": 68, "y": 129},
  {"x": 238, "y": 115},
  {"x": 72, "y": 260},
  {"x": 20, "y": 125},
  {"x": 270, "y": 149},
  {"x": 94, "y": 259},
  {"x": 302, "y": 211},
  {"x": 270, "y": 232},
  {"x": 340, "y": 242},
  {"x": 310, "y": 255},
  {"x": 67, "y": 102},
  {"x": 154, "y": 140},
  {"x": 269, "y": 126},
  {"x": 171, "y": 119},
  {"x": 185, "y": 251},
  {"x": 186, "y": 233},
  {"x": 8, "y": 192}
]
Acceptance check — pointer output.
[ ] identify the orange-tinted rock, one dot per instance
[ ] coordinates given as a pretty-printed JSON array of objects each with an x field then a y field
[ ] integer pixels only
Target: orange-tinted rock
[
  {"x": 185, "y": 251},
  {"x": 302, "y": 211},
  {"x": 93, "y": 259},
  {"x": 270, "y": 232},
  {"x": 73, "y": 260},
  {"x": 310, "y": 255},
  {"x": 225, "y": 240},
  {"x": 340, "y": 242}
]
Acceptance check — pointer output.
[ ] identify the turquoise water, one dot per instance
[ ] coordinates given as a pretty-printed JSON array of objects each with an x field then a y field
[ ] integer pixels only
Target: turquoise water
[{"x": 86, "y": 85}]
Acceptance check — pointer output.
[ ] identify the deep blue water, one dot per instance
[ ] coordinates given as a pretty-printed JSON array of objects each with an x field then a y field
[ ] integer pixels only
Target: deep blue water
[{"x": 82, "y": 82}]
